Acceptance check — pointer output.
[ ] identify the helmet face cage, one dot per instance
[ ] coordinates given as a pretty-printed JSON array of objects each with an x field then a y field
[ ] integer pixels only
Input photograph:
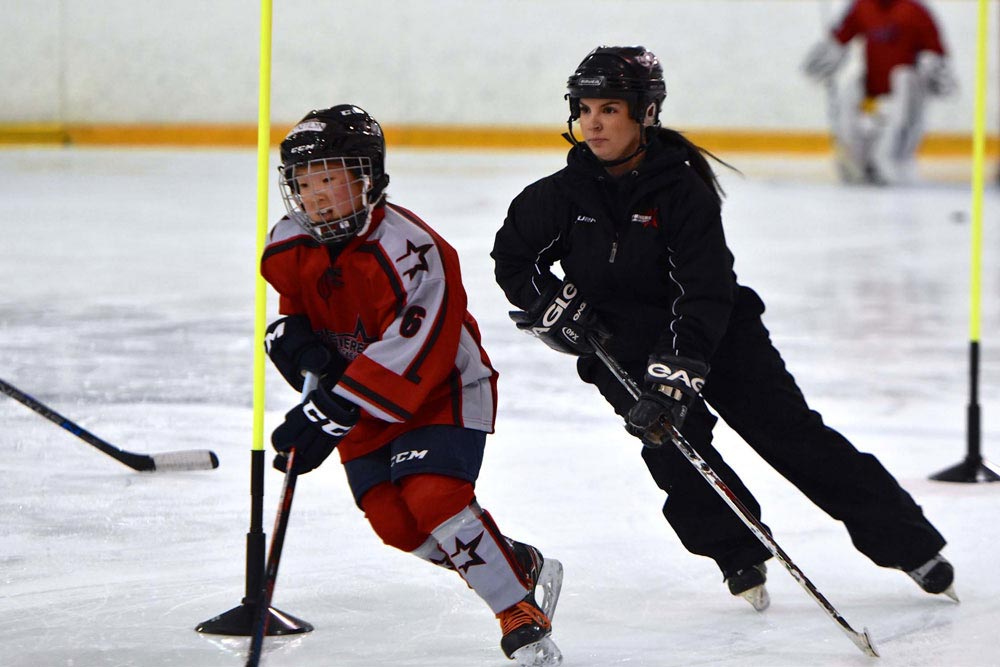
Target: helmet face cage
[
  {"x": 629, "y": 73},
  {"x": 329, "y": 197},
  {"x": 333, "y": 172}
]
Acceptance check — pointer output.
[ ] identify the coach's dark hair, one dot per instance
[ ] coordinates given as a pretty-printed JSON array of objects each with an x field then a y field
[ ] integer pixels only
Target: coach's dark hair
[{"x": 698, "y": 158}]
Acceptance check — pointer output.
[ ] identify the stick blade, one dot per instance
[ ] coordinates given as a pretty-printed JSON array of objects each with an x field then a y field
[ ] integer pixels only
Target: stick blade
[
  {"x": 863, "y": 641},
  {"x": 192, "y": 459}
]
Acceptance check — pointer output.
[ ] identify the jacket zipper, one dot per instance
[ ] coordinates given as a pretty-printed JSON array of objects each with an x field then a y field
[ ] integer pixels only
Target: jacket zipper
[{"x": 614, "y": 251}]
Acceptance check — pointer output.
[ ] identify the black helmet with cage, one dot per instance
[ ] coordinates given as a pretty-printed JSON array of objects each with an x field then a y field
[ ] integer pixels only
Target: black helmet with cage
[
  {"x": 629, "y": 73},
  {"x": 343, "y": 140}
]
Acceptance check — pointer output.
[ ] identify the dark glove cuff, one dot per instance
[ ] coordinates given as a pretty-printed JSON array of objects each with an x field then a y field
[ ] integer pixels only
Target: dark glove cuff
[
  {"x": 335, "y": 407},
  {"x": 674, "y": 375},
  {"x": 545, "y": 296}
]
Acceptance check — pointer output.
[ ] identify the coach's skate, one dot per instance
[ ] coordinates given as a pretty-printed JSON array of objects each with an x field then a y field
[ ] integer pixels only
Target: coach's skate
[
  {"x": 936, "y": 576},
  {"x": 526, "y": 626},
  {"x": 748, "y": 584}
]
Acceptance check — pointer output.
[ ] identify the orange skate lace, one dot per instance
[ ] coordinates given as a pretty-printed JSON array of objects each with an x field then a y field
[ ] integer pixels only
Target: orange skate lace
[{"x": 520, "y": 614}]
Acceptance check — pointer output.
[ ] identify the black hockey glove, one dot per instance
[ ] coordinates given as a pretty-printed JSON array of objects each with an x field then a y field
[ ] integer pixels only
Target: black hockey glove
[
  {"x": 672, "y": 385},
  {"x": 294, "y": 348},
  {"x": 562, "y": 320},
  {"x": 313, "y": 428}
]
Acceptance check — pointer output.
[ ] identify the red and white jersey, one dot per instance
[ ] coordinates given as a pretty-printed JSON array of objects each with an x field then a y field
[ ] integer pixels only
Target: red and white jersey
[
  {"x": 392, "y": 303},
  {"x": 895, "y": 31}
]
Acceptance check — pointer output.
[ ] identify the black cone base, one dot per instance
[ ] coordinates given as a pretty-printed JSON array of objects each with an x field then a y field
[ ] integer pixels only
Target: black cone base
[
  {"x": 239, "y": 622},
  {"x": 969, "y": 471}
]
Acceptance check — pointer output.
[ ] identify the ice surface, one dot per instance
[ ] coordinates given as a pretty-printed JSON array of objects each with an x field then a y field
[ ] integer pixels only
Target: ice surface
[{"x": 127, "y": 305}]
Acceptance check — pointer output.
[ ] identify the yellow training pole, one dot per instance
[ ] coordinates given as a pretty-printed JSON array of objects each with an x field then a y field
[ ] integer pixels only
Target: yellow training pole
[
  {"x": 974, "y": 468},
  {"x": 263, "y": 167},
  {"x": 978, "y": 167},
  {"x": 240, "y": 620}
]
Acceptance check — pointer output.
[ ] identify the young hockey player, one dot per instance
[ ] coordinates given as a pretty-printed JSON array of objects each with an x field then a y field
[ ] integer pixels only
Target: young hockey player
[
  {"x": 878, "y": 118},
  {"x": 634, "y": 221},
  {"x": 373, "y": 302}
]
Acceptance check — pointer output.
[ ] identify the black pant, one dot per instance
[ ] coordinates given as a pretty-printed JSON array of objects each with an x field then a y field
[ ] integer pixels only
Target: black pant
[{"x": 750, "y": 388}]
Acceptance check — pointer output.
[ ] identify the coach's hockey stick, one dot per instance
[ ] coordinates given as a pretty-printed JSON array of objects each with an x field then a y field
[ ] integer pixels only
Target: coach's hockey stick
[
  {"x": 194, "y": 459},
  {"x": 277, "y": 542},
  {"x": 861, "y": 639}
]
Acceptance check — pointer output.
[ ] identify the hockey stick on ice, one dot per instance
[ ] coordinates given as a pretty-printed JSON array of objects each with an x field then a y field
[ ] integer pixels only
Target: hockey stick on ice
[
  {"x": 861, "y": 639},
  {"x": 277, "y": 542},
  {"x": 193, "y": 459}
]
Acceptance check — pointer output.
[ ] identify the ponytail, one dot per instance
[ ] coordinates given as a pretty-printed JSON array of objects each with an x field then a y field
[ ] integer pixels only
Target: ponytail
[{"x": 697, "y": 157}]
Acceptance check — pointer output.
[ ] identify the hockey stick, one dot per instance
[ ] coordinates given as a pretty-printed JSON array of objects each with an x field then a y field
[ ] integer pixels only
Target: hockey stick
[
  {"x": 861, "y": 639},
  {"x": 194, "y": 459},
  {"x": 277, "y": 542}
]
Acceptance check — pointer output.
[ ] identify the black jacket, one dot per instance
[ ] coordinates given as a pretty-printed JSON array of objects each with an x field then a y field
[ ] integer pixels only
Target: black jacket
[{"x": 646, "y": 250}]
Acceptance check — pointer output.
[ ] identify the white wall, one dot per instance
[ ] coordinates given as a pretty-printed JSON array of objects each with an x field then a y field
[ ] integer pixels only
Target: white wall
[{"x": 729, "y": 63}]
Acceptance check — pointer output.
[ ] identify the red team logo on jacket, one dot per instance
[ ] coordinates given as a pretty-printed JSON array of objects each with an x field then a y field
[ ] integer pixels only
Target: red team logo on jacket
[{"x": 647, "y": 219}]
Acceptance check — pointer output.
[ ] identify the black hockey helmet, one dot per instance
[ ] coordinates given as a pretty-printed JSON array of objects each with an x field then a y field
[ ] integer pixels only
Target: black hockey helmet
[
  {"x": 629, "y": 73},
  {"x": 344, "y": 136},
  {"x": 341, "y": 131}
]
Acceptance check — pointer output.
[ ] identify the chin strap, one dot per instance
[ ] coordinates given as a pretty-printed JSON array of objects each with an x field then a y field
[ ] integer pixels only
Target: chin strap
[{"x": 568, "y": 136}]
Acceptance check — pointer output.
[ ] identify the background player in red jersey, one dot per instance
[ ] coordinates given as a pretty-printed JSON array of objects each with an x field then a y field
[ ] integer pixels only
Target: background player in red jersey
[
  {"x": 878, "y": 118},
  {"x": 373, "y": 302}
]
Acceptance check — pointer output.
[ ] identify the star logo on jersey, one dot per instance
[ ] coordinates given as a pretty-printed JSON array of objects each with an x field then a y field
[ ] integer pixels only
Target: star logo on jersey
[
  {"x": 350, "y": 345},
  {"x": 331, "y": 279},
  {"x": 647, "y": 219},
  {"x": 420, "y": 253},
  {"x": 465, "y": 556}
]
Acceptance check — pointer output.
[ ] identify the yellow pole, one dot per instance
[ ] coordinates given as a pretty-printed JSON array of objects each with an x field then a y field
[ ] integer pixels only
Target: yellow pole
[
  {"x": 245, "y": 618},
  {"x": 974, "y": 468},
  {"x": 978, "y": 168},
  {"x": 263, "y": 168}
]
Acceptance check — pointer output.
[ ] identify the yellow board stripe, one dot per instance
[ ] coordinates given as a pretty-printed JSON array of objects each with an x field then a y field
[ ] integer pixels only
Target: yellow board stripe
[{"x": 444, "y": 136}]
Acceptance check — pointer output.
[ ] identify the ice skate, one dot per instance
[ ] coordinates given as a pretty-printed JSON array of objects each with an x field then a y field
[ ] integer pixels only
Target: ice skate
[
  {"x": 544, "y": 573},
  {"x": 936, "y": 576},
  {"x": 527, "y": 626},
  {"x": 526, "y": 635},
  {"x": 748, "y": 584}
]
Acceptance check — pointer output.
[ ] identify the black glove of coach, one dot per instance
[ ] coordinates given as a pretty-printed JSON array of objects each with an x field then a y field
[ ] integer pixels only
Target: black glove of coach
[
  {"x": 313, "y": 428},
  {"x": 294, "y": 348},
  {"x": 672, "y": 385},
  {"x": 561, "y": 319}
]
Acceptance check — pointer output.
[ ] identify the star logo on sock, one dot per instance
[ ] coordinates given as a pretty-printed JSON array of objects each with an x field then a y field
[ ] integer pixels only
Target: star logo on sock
[
  {"x": 465, "y": 556},
  {"x": 442, "y": 561}
]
